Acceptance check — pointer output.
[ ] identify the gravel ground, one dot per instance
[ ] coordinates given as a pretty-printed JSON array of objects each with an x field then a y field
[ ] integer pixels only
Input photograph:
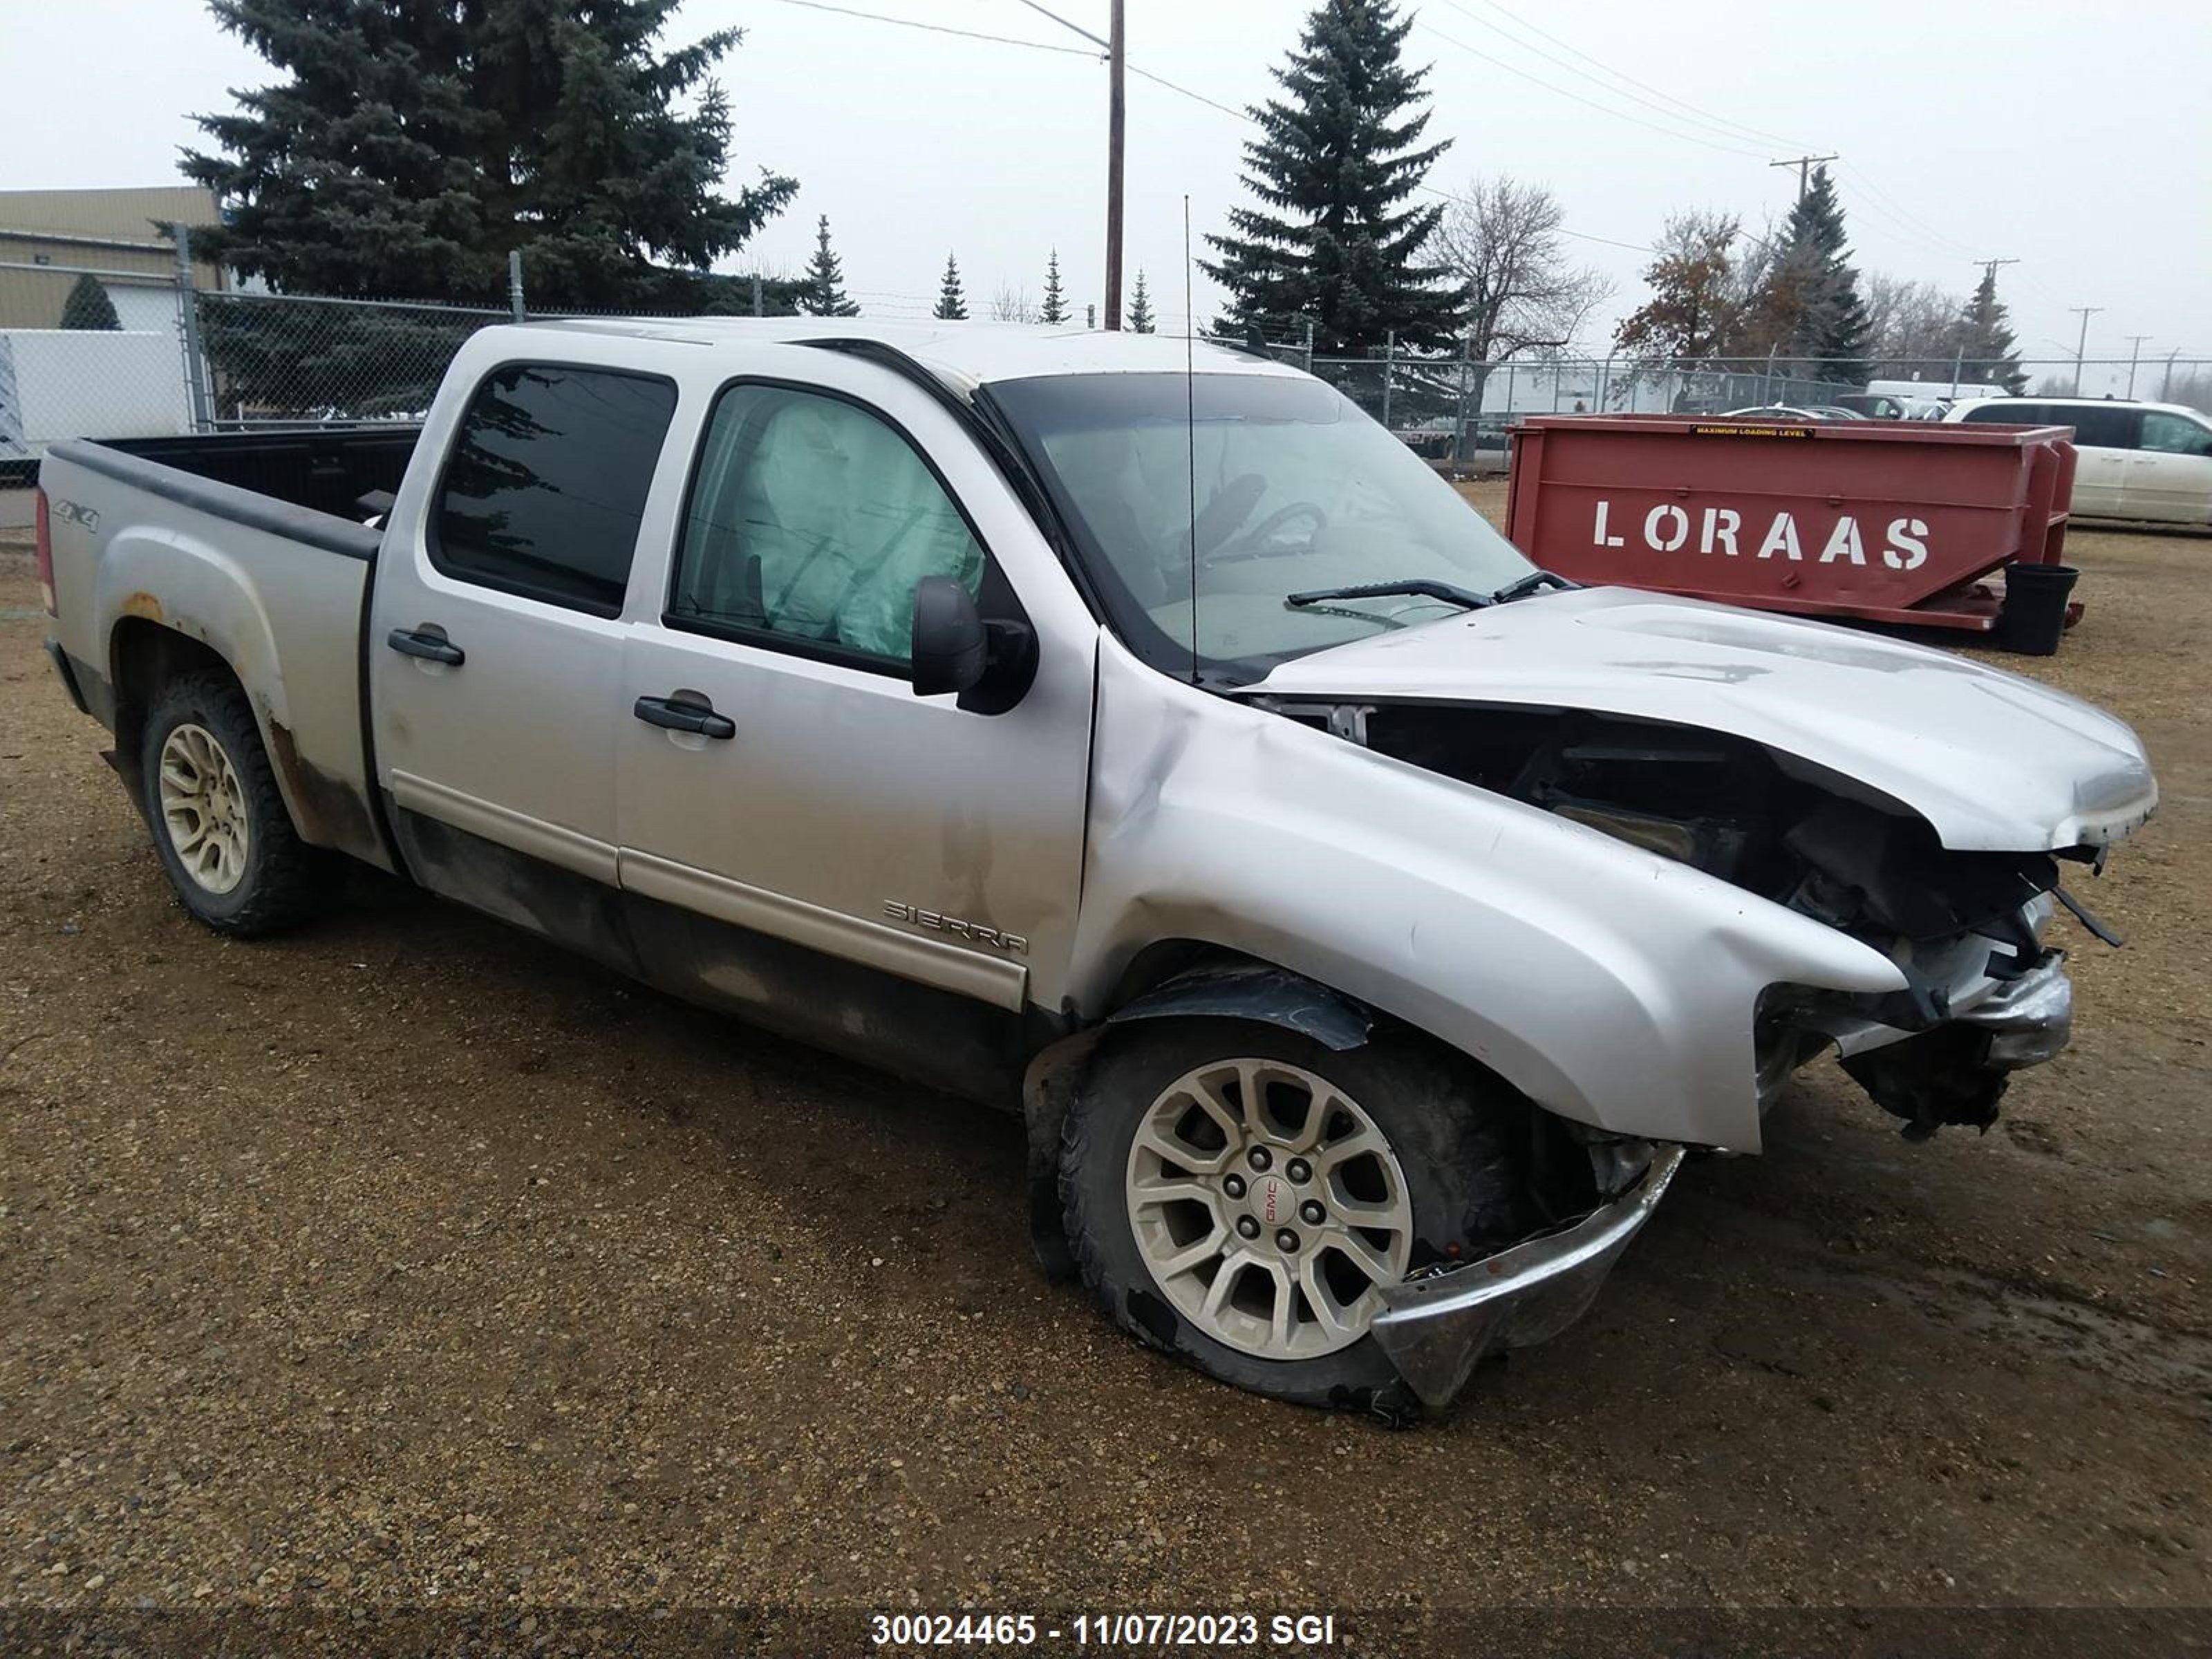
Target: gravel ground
[{"x": 404, "y": 1262}]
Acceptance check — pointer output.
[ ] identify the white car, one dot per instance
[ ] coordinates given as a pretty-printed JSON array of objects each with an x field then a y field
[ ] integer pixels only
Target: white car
[{"x": 2138, "y": 461}]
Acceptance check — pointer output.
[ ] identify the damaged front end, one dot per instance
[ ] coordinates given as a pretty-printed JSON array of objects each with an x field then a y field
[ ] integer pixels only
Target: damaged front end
[{"x": 1982, "y": 996}]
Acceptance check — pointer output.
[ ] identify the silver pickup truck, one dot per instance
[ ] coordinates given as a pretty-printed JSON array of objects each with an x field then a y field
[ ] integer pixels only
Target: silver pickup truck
[{"x": 1366, "y": 924}]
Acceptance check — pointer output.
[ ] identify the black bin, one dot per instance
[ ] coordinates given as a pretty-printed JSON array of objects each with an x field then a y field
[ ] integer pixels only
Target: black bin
[{"x": 2035, "y": 607}]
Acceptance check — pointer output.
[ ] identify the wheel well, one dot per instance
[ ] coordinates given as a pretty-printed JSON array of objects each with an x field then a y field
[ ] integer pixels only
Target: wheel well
[
  {"x": 144, "y": 656},
  {"x": 1161, "y": 960}
]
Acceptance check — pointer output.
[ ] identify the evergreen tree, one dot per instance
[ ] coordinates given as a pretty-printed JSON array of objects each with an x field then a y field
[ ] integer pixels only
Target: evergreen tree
[
  {"x": 87, "y": 306},
  {"x": 825, "y": 279},
  {"x": 1985, "y": 337},
  {"x": 1054, "y": 309},
  {"x": 1339, "y": 157},
  {"x": 408, "y": 148},
  {"x": 1810, "y": 308},
  {"x": 1140, "y": 308},
  {"x": 952, "y": 298}
]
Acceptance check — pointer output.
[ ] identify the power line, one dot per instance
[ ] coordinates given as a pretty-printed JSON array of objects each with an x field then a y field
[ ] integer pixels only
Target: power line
[
  {"x": 1097, "y": 40},
  {"x": 1731, "y": 130},
  {"x": 940, "y": 28},
  {"x": 1718, "y": 123},
  {"x": 1898, "y": 208},
  {"x": 1602, "y": 109}
]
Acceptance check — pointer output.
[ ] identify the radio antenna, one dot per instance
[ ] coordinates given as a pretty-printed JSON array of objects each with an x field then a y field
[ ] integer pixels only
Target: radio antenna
[{"x": 1190, "y": 429}]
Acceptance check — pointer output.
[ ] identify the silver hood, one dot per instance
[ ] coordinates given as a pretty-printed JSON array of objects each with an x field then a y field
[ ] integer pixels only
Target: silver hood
[{"x": 1995, "y": 762}]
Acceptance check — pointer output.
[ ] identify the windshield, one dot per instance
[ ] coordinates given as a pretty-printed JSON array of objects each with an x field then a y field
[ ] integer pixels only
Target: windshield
[{"x": 1296, "y": 489}]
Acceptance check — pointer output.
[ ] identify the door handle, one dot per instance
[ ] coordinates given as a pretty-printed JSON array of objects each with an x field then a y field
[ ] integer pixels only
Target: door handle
[
  {"x": 684, "y": 716},
  {"x": 431, "y": 647}
]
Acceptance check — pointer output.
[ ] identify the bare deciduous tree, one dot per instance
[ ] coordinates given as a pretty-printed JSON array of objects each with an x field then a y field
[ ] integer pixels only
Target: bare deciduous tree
[
  {"x": 1503, "y": 243},
  {"x": 1914, "y": 325},
  {"x": 1012, "y": 305}
]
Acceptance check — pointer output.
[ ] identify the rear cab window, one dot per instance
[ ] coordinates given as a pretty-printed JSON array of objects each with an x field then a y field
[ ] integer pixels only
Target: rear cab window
[{"x": 546, "y": 483}]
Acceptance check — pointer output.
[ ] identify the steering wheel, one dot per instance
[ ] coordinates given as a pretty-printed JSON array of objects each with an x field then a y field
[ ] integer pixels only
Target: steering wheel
[{"x": 1253, "y": 544}]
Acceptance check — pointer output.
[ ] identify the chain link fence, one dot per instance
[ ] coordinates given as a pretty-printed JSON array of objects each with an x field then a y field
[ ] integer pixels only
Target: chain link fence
[{"x": 85, "y": 351}]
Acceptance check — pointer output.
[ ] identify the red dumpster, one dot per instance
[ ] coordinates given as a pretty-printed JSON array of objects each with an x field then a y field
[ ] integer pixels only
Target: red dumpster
[{"x": 1890, "y": 521}]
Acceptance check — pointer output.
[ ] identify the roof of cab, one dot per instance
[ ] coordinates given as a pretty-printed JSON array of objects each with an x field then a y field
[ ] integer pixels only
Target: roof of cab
[{"x": 963, "y": 354}]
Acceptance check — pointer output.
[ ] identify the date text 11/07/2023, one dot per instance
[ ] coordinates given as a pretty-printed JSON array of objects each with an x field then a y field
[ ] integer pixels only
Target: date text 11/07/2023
[{"x": 895, "y": 1632}]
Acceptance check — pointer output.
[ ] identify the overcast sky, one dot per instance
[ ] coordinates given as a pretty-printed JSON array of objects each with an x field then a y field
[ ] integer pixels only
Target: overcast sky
[{"x": 2076, "y": 138}]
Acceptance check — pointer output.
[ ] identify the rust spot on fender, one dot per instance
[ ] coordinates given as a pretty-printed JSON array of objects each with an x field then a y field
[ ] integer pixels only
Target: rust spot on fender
[{"x": 142, "y": 603}]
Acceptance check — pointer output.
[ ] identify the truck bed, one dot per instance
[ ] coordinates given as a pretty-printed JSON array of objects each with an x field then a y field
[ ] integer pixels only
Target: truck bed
[
  {"x": 250, "y": 550},
  {"x": 325, "y": 471}
]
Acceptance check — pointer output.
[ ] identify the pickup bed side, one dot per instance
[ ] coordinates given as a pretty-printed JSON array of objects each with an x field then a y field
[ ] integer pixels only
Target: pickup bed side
[{"x": 159, "y": 569}]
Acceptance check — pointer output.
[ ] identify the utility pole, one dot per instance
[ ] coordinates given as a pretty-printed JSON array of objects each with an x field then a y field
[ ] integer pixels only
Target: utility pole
[
  {"x": 2134, "y": 354},
  {"x": 2082, "y": 343},
  {"x": 1115, "y": 57},
  {"x": 1989, "y": 268},
  {"x": 1116, "y": 63},
  {"x": 1804, "y": 164}
]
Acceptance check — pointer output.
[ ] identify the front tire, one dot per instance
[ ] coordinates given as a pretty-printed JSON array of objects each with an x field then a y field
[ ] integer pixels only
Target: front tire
[
  {"x": 1235, "y": 1192},
  {"x": 220, "y": 827}
]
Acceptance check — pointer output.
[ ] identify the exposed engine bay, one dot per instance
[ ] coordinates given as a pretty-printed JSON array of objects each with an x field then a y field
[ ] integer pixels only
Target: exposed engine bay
[{"x": 1962, "y": 927}]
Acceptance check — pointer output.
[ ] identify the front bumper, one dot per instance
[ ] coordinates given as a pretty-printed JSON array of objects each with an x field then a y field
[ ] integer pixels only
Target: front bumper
[
  {"x": 2030, "y": 1018},
  {"x": 1436, "y": 1330}
]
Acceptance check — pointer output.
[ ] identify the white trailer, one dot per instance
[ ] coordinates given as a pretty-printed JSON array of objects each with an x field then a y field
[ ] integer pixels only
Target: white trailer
[{"x": 58, "y": 383}]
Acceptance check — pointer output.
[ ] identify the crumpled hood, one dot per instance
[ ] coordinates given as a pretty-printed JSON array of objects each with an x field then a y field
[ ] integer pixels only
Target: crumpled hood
[{"x": 1995, "y": 762}]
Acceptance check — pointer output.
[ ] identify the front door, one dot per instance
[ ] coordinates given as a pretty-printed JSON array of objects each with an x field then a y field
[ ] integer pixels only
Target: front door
[
  {"x": 802, "y": 837},
  {"x": 2170, "y": 476},
  {"x": 496, "y": 648}
]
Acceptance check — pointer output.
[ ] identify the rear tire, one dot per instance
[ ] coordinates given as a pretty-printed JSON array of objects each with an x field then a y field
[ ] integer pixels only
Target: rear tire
[
  {"x": 1413, "y": 1163},
  {"x": 220, "y": 825}
]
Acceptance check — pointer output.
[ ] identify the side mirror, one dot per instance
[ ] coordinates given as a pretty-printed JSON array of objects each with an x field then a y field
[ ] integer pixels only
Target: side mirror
[
  {"x": 990, "y": 664},
  {"x": 950, "y": 649}
]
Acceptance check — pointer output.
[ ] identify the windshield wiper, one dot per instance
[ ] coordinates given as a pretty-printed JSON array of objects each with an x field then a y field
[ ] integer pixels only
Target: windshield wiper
[
  {"x": 1535, "y": 582},
  {"x": 1417, "y": 587}
]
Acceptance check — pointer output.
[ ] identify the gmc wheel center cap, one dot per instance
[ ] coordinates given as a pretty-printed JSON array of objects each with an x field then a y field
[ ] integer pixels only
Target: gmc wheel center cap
[{"x": 1272, "y": 1201}]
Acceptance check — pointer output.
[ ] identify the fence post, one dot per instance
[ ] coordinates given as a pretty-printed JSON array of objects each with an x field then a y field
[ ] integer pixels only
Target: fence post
[
  {"x": 1957, "y": 368},
  {"x": 1309, "y": 347},
  {"x": 1604, "y": 381},
  {"x": 1460, "y": 450},
  {"x": 514, "y": 285},
  {"x": 1389, "y": 352},
  {"x": 756, "y": 293},
  {"x": 188, "y": 330}
]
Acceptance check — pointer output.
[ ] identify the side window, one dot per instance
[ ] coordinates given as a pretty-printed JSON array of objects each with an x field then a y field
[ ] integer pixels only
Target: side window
[
  {"x": 2098, "y": 426},
  {"x": 2174, "y": 434},
  {"x": 811, "y": 522},
  {"x": 547, "y": 481},
  {"x": 2010, "y": 414}
]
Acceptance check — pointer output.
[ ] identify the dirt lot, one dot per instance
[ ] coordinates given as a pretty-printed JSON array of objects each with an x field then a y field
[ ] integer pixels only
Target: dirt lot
[{"x": 406, "y": 1261}]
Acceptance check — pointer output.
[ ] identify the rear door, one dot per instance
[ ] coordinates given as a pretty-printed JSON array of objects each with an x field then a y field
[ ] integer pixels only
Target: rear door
[
  {"x": 2170, "y": 474},
  {"x": 894, "y": 875},
  {"x": 495, "y": 646}
]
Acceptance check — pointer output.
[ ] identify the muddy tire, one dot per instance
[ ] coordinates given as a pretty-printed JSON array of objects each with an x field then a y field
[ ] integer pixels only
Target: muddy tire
[
  {"x": 1202, "y": 1148},
  {"x": 219, "y": 823}
]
